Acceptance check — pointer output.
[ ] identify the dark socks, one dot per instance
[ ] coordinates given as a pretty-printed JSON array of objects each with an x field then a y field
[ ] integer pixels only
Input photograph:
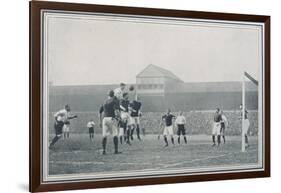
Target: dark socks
[
  {"x": 219, "y": 139},
  {"x": 223, "y": 138},
  {"x": 214, "y": 139},
  {"x": 55, "y": 139},
  {"x": 138, "y": 132},
  {"x": 172, "y": 139},
  {"x": 131, "y": 133},
  {"x": 115, "y": 142},
  {"x": 166, "y": 140},
  {"x": 246, "y": 139},
  {"x": 104, "y": 140},
  {"x": 185, "y": 140},
  {"x": 128, "y": 136},
  {"x": 121, "y": 139},
  {"x": 179, "y": 140}
]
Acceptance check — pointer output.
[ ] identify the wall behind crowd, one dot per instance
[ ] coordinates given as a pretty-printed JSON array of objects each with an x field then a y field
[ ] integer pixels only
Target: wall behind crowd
[{"x": 198, "y": 122}]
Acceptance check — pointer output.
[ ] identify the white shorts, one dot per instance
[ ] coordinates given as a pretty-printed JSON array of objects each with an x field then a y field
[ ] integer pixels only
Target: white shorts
[
  {"x": 216, "y": 128},
  {"x": 168, "y": 130},
  {"x": 109, "y": 125},
  {"x": 246, "y": 127},
  {"x": 65, "y": 128},
  {"x": 135, "y": 120},
  {"x": 125, "y": 116},
  {"x": 121, "y": 131}
]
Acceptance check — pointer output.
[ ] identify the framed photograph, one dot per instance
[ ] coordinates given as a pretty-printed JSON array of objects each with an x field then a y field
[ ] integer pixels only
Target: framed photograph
[{"x": 123, "y": 96}]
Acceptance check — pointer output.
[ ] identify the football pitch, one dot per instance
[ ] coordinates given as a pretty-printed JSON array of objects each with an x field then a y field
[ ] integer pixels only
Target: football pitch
[{"x": 80, "y": 155}]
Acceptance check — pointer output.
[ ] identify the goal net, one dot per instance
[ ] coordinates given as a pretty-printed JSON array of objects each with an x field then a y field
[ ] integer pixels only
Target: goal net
[{"x": 249, "y": 108}]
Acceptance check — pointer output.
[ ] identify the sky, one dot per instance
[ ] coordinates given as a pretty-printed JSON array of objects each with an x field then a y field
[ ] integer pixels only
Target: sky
[{"x": 84, "y": 50}]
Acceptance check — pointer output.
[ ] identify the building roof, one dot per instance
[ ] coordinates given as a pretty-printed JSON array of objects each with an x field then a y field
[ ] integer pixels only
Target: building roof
[{"x": 156, "y": 71}]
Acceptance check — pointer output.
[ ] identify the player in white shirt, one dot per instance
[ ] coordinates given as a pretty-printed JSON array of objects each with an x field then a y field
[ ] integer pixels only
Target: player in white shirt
[
  {"x": 180, "y": 122},
  {"x": 118, "y": 92},
  {"x": 216, "y": 131},
  {"x": 224, "y": 124},
  {"x": 91, "y": 126},
  {"x": 61, "y": 118}
]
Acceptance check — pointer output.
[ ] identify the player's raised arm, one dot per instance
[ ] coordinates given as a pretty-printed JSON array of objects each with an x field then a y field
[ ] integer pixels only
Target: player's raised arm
[
  {"x": 122, "y": 107},
  {"x": 71, "y": 116}
]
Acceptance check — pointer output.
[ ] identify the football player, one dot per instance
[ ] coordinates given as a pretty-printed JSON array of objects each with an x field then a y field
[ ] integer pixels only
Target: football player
[
  {"x": 61, "y": 117},
  {"x": 167, "y": 120},
  {"x": 118, "y": 92},
  {"x": 180, "y": 122},
  {"x": 125, "y": 116},
  {"x": 109, "y": 116},
  {"x": 224, "y": 124},
  {"x": 216, "y": 127},
  {"x": 91, "y": 127},
  {"x": 135, "y": 109}
]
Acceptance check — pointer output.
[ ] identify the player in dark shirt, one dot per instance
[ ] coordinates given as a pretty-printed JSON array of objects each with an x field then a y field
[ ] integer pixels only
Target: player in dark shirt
[
  {"x": 109, "y": 115},
  {"x": 167, "y": 119},
  {"x": 135, "y": 107},
  {"x": 216, "y": 127},
  {"x": 125, "y": 118},
  {"x": 124, "y": 103}
]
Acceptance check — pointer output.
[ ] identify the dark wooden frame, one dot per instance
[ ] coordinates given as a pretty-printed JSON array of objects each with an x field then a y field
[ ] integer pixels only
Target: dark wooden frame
[{"x": 35, "y": 183}]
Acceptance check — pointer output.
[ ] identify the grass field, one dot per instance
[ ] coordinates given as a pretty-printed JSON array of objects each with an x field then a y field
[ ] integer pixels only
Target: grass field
[{"x": 79, "y": 155}]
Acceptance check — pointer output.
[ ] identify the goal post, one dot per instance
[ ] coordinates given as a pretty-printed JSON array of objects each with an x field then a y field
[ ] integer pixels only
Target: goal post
[{"x": 249, "y": 100}]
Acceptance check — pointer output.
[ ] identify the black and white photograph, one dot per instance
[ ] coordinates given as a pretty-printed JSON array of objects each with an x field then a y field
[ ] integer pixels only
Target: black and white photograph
[{"x": 128, "y": 96}]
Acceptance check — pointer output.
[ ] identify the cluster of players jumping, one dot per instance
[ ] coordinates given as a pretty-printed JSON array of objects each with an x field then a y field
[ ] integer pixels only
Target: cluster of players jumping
[{"x": 120, "y": 117}]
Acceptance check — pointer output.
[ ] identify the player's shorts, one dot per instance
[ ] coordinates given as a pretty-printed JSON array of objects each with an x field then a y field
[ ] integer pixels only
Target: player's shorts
[
  {"x": 125, "y": 116},
  {"x": 65, "y": 128},
  {"x": 222, "y": 128},
  {"x": 91, "y": 129},
  {"x": 109, "y": 125},
  {"x": 135, "y": 120},
  {"x": 216, "y": 128},
  {"x": 181, "y": 130},
  {"x": 58, "y": 127},
  {"x": 168, "y": 130},
  {"x": 246, "y": 126},
  {"x": 122, "y": 131}
]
